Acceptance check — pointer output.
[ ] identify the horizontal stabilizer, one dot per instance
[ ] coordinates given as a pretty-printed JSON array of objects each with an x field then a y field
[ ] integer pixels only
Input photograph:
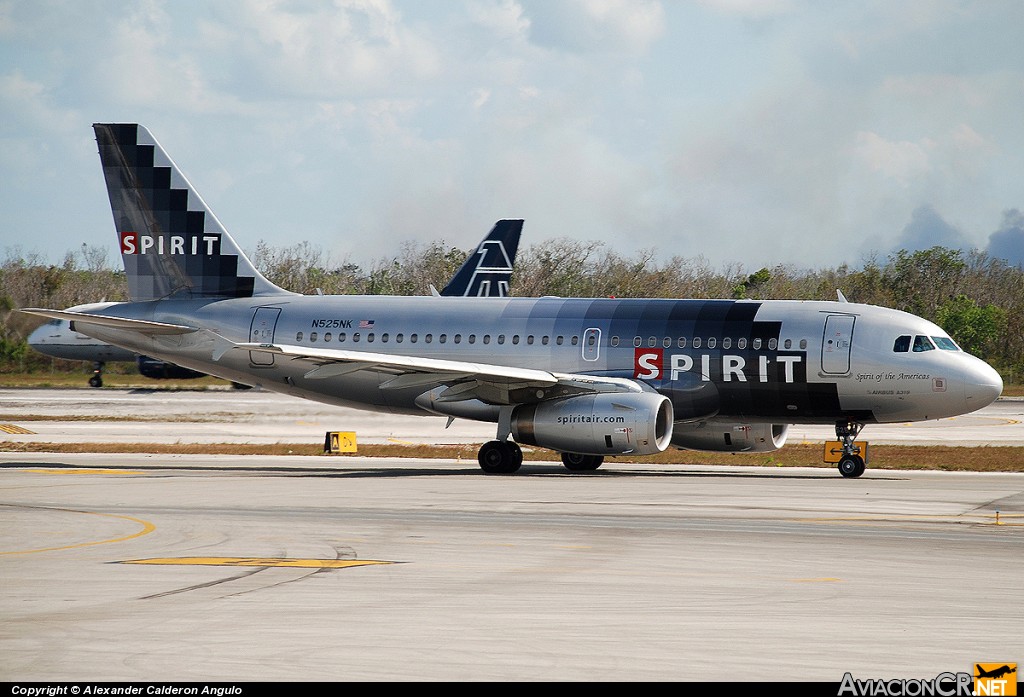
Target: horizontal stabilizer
[{"x": 136, "y": 325}]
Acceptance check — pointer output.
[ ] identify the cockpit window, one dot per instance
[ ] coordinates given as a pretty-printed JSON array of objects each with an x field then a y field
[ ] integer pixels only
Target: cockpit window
[
  {"x": 902, "y": 344},
  {"x": 945, "y": 343},
  {"x": 923, "y": 343}
]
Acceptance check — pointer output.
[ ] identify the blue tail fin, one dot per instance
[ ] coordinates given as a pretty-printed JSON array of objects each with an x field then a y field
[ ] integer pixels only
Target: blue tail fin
[
  {"x": 171, "y": 243},
  {"x": 487, "y": 271}
]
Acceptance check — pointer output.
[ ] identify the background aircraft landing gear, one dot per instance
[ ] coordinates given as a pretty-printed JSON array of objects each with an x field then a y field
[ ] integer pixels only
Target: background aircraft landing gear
[
  {"x": 500, "y": 457},
  {"x": 851, "y": 465},
  {"x": 575, "y": 462},
  {"x": 97, "y": 375}
]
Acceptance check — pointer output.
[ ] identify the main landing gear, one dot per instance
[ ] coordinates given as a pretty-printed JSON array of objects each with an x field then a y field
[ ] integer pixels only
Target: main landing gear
[
  {"x": 851, "y": 464},
  {"x": 97, "y": 375},
  {"x": 575, "y": 462},
  {"x": 500, "y": 457}
]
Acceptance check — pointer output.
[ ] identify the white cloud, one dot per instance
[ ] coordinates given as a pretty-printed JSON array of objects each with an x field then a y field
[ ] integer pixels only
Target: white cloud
[{"x": 901, "y": 161}]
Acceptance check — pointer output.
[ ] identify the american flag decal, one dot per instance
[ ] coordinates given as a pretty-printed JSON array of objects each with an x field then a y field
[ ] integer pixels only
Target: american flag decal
[{"x": 366, "y": 324}]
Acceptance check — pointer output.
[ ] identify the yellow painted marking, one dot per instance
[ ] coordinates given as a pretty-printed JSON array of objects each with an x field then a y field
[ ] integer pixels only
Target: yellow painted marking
[
  {"x": 147, "y": 528},
  {"x": 816, "y": 580},
  {"x": 12, "y": 428},
  {"x": 259, "y": 561},
  {"x": 84, "y": 471},
  {"x": 400, "y": 442}
]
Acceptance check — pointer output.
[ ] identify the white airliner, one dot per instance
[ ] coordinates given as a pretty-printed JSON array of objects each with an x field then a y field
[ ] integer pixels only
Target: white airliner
[
  {"x": 589, "y": 378},
  {"x": 485, "y": 273}
]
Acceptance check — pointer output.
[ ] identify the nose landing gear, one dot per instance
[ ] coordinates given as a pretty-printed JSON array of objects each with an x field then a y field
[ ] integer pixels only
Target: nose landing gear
[
  {"x": 97, "y": 375},
  {"x": 851, "y": 464}
]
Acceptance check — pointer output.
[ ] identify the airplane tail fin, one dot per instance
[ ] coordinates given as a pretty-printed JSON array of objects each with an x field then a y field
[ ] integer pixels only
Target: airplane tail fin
[
  {"x": 171, "y": 243},
  {"x": 488, "y": 270}
]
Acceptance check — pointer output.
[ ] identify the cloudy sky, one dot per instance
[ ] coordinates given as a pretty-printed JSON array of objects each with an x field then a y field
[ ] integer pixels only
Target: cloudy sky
[{"x": 744, "y": 131}]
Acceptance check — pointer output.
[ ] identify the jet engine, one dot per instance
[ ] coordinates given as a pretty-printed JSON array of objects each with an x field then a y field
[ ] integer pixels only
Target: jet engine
[
  {"x": 730, "y": 437},
  {"x": 597, "y": 424}
]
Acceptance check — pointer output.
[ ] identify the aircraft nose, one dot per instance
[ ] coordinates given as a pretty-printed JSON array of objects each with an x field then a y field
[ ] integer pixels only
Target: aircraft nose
[
  {"x": 982, "y": 386},
  {"x": 38, "y": 336}
]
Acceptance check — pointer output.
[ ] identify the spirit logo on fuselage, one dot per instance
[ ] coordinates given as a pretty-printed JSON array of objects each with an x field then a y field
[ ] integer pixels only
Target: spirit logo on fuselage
[
  {"x": 653, "y": 364},
  {"x": 193, "y": 245}
]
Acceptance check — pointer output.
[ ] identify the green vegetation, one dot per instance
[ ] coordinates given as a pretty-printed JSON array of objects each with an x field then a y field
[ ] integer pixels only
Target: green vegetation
[{"x": 978, "y": 299}]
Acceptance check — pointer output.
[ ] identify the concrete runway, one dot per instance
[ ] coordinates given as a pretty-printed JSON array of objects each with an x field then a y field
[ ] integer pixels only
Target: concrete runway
[
  {"x": 156, "y": 568},
  {"x": 253, "y": 416}
]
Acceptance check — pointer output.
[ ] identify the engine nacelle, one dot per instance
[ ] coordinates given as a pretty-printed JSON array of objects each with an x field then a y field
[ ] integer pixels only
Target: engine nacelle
[
  {"x": 730, "y": 437},
  {"x": 597, "y": 424}
]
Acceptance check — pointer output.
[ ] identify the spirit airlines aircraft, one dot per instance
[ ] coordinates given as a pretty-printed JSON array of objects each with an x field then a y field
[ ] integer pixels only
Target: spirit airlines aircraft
[
  {"x": 589, "y": 378},
  {"x": 485, "y": 273}
]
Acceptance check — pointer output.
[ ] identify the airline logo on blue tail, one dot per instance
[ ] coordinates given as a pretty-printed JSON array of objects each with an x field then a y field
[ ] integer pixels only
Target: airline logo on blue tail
[{"x": 175, "y": 245}]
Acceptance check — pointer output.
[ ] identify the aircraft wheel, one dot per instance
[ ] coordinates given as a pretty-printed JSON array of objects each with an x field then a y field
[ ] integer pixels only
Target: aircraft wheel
[
  {"x": 95, "y": 381},
  {"x": 851, "y": 466},
  {"x": 576, "y": 462},
  {"x": 500, "y": 457}
]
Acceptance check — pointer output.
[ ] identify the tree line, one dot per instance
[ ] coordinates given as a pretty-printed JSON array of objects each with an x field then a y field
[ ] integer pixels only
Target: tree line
[{"x": 977, "y": 298}]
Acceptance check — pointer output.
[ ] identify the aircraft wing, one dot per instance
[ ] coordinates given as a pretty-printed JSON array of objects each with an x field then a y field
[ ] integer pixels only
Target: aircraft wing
[
  {"x": 136, "y": 325},
  {"x": 493, "y": 384}
]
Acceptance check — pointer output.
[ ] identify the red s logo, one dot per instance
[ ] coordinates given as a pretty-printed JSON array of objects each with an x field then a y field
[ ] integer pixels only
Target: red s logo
[
  {"x": 129, "y": 243},
  {"x": 648, "y": 363}
]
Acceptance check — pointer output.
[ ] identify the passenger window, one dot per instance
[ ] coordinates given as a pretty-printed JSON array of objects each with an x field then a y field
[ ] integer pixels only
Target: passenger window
[
  {"x": 341, "y": 336},
  {"x": 457, "y": 339},
  {"x": 615, "y": 341},
  {"x": 529, "y": 340},
  {"x": 472, "y": 338},
  {"x": 428, "y": 338},
  {"x": 803, "y": 343},
  {"x": 652, "y": 341},
  {"x": 413, "y": 338},
  {"x": 487, "y": 338},
  {"x": 515, "y": 339},
  {"x": 666, "y": 342},
  {"x": 442, "y": 339},
  {"x": 369, "y": 338},
  {"x": 757, "y": 344},
  {"x": 355, "y": 336},
  {"x": 712, "y": 342},
  {"x": 788, "y": 344},
  {"x": 741, "y": 344},
  {"x": 398, "y": 338},
  {"x": 544, "y": 340},
  {"x": 560, "y": 340},
  {"x": 575, "y": 340},
  {"x": 922, "y": 343},
  {"x": 773, "y": 344},
  {"x": 696, "y": 342},
  {"x": 681, "y": 343},
  {"x": 727, "y": 343},
  {"x": 901, "y": 345},
  {"x": 298, "y": 337},
  {"x": 384, "y": 338},
  {"x": 501, "y": 338},
  {"x": 637, "y": 341}
]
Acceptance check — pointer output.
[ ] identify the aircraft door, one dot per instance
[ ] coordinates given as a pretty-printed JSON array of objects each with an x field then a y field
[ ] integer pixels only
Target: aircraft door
[
  {"x": 264, "y": 321},
  {"x": 592, "y": 344},
  {"x": 836, "y": 343}
]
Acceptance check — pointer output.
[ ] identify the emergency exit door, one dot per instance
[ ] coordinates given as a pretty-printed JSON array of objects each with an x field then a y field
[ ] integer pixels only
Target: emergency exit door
[
  {"x": 836, "y": 344},
  {"x": 264, "y": 322}
]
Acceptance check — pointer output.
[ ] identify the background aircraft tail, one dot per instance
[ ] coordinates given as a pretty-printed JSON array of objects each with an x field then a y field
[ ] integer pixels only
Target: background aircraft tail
[
  {"x": 487, "y": 271},
  {"x": 171, "y": 243}
]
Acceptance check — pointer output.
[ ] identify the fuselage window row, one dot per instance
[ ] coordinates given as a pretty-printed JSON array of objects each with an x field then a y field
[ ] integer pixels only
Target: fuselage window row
[{"x": 902, "y": 344}]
